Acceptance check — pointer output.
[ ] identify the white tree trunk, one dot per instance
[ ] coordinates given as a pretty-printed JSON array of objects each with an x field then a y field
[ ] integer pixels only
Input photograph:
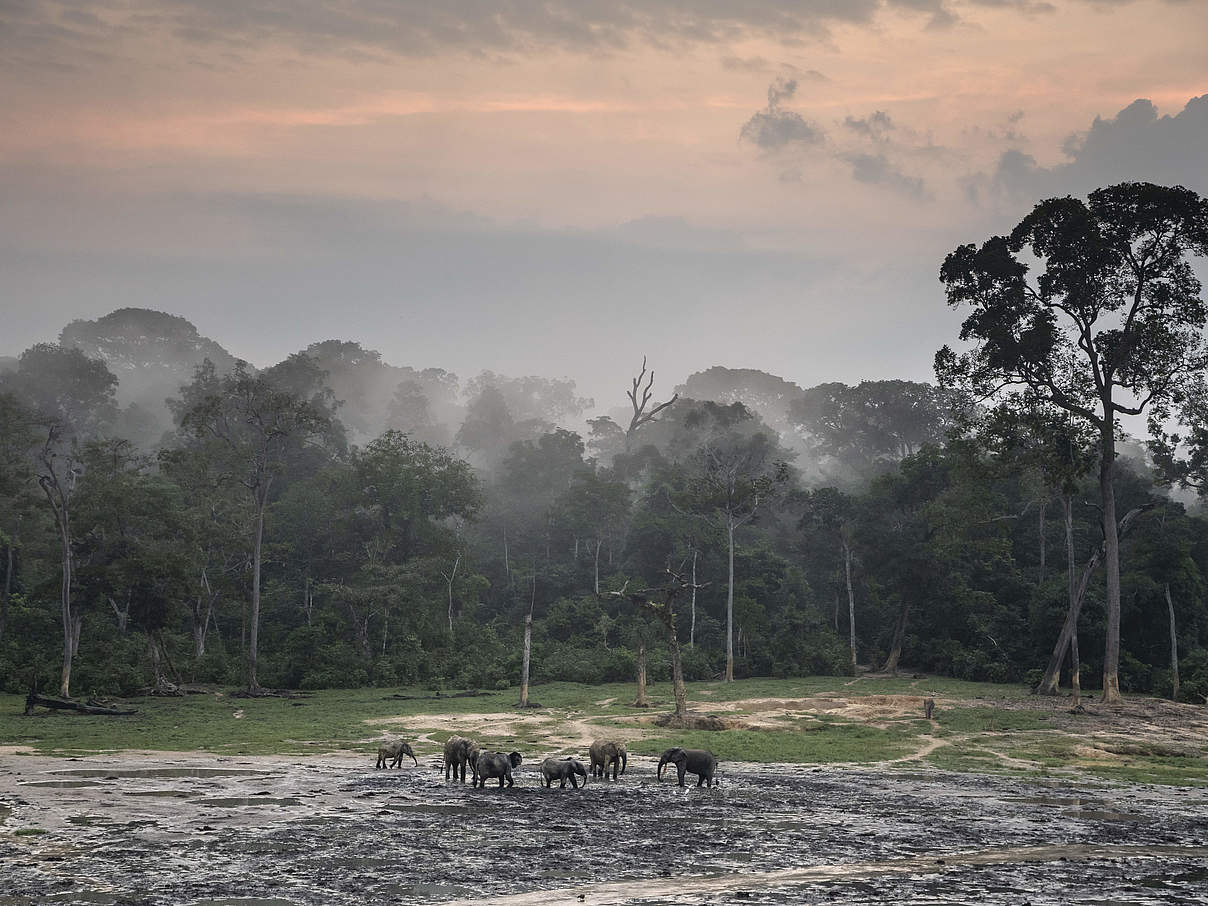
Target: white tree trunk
[{"x": 730, "y": 607}]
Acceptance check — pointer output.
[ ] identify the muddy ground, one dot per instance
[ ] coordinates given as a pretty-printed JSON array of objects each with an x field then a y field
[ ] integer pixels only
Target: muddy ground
[{"x": 135, "y": 829}]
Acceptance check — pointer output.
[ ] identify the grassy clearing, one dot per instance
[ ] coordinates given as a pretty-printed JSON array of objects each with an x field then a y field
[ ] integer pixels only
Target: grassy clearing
[
  {"x": 978, "y": 727},
  {"x": 833, "y": 745}
]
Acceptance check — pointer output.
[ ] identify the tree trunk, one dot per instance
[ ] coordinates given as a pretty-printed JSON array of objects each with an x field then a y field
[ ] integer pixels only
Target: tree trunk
[
  {"x": 692, "y": 625},
  {"x": 1044, "y": 507},
  {"x": 451, "y": 577},
  {"x": 308, "y": 600},
  {"x": 677, "y": 669},
  {"x": 253, "y": 684},
  {"x": 524, "y": 669},
  {"x": 122, "y": 613},
  {"x": 1174, "y": 646},
  {"x": 1048, "y": 685},
  {"x": 640, "y": 700},
  {"x": 851, "y": 604},
  {"x": 7, "y": 589},
  {"x": 1075, "y": 669},
  {"x": 528, "y": 640},
  {"x": 1067, "y": 639},
  {"x": 599, "y": 542},
  {"x": 69, "y": 647},
  {"x": 507, "y": 563},
  {"x": 1111, "y": 560},
  {"x": 60, "y": 704},
  {"x": 899, "y": 636},
  {"x": 730, "y": 607}
]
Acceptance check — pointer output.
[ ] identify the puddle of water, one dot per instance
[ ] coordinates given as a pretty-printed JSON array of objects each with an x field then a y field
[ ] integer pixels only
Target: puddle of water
[
  {"x": 167, "y": 794},
  {"x": 61, "y": 784},
  {"x": 1091, "y": 814},
  {"x": 239, "y": 802},
  {"x": 1044, "y": 800},
  {"x": 162, "y": 772},
  {"x": 87, "y": 820}
]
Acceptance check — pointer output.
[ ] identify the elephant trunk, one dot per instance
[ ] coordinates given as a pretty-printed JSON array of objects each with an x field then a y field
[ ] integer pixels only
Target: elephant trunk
[
  {"x": 624, "y": 760},
  {"x": 662, "y": 764}
]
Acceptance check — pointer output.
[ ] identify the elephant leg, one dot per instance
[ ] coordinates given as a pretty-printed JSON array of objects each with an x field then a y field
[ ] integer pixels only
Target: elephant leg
[
  {"x": 574, "y": 781},
  {"x": 680, "y": 771}
]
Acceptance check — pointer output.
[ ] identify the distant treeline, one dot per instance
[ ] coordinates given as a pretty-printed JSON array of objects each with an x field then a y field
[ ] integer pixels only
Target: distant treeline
[{"x": 336, "y": 521}]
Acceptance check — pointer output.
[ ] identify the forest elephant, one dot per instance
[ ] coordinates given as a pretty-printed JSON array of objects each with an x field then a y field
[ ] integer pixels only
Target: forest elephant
[
  {"x": 459, "y": 752},
  {"x": 606, "y": 753},
  {"x": 700, "y": 762},
  {"x": 391, "y": 752},
  {"x": 563, "y": 769},
  {"x": 494, "y": 764}
]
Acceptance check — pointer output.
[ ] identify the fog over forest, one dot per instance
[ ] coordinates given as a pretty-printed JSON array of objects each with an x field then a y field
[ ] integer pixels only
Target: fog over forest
[{"x": 335, "y": 519}]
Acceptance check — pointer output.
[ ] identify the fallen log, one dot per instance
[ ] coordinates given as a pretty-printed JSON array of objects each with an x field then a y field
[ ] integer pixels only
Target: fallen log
[{"x": 34, "y": 700}]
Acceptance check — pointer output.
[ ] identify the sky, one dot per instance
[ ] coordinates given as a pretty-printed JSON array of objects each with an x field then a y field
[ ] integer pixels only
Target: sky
[{"x": 559, "y": 187}]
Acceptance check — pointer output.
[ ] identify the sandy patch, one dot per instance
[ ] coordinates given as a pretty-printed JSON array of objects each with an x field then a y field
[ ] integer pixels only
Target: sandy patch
[
  {"x": 556, "y": 732},
  {"x": 770, "y": 712}
]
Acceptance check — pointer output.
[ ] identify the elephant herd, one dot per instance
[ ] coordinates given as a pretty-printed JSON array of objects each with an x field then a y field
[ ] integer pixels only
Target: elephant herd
[{"x": 604, "y": 754}]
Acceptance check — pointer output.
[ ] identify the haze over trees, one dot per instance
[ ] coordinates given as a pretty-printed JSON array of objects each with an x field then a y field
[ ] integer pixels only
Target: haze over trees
[{"x": 337, "y": 520}]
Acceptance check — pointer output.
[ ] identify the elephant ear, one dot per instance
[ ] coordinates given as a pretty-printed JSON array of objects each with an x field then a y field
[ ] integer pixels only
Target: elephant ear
[{"x": 515, "y": 759}]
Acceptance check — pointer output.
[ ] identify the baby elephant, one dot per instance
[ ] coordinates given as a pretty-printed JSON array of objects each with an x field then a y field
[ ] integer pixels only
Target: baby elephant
[
  {"x": 392, "y": 751},
  {"x": 493, "y": 764},
  {"x": 563, "y": 769}
]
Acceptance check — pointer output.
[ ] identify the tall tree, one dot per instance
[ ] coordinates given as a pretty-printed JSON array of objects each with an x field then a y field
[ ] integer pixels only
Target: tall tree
[
  {"x": 731, "y": 475},
  {"x": 833, "y": 512},
  {"x": 1112, "y": 324},
  {"x": 74, "y": 398},
  {"x": 255, "y": 425},
  {"x": 19, "y": 430}
]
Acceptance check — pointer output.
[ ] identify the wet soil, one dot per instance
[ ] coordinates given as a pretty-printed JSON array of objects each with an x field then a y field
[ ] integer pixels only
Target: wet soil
[{"x": 254, "y": 832}]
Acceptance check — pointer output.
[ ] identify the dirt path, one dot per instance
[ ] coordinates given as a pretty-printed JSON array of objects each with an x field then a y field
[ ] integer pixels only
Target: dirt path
[{"x": 620, "y": 893}]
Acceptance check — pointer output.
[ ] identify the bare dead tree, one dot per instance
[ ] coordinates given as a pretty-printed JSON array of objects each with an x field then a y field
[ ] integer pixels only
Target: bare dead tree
[
  {"x": 642, "y": 387},
  {"x": 661, "y": 600},
  {"x": 1048, "y": 685},
  {"x": 450, "y": 577}
]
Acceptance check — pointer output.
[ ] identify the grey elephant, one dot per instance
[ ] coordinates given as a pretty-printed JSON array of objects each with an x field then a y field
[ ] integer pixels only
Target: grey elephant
[
  {"x": 606, "y": 753},
  {"x": 391, "y": 752},
  {"x": 563, "y": 769},
  {"x": 700, "y": 762},
  {"x": 459, "y": 752},
  {"x": 494, "y": 764}
]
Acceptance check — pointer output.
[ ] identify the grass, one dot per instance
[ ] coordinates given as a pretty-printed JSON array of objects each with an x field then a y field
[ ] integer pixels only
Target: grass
[
  {"x": 835, "y": 744},
  {"x": 983, "y": 727}
]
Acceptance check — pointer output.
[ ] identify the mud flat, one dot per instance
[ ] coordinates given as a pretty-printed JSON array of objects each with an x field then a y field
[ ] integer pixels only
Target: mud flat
[{"x": 255, "y": 831}]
